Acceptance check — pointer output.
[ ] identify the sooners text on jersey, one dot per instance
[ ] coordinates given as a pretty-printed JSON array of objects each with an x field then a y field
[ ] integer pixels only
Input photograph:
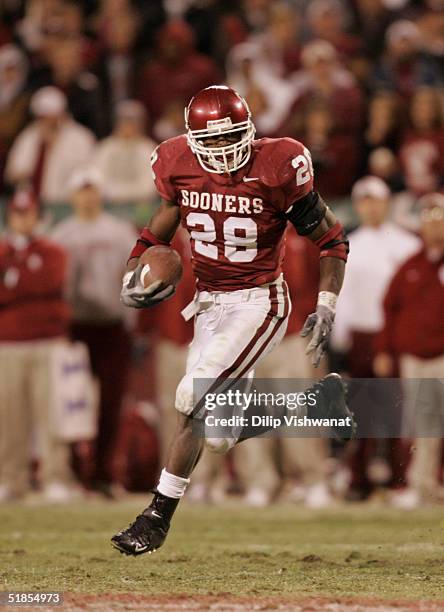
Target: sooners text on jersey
[{"x": 237, "y": 221}]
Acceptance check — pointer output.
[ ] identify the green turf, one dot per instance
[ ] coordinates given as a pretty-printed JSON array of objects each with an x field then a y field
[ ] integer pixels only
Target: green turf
[{"x": 211, "y": 550}]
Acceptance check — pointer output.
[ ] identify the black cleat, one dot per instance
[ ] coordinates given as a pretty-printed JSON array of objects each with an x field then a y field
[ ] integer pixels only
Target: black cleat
[
  {"x": 146, "y": 534},
  {"x": 149, "y": 530},
  {"x": 331, "y": 403}
]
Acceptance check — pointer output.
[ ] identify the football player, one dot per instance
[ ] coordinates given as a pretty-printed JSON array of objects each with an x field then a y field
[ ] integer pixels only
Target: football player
[{"x": 235, "y": 195}]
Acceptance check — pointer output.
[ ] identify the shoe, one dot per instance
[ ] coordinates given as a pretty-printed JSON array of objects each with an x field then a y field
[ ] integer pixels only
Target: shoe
[
  {"x": 359, "y": 494},
  {"x": 408, "y": 499},
  {"x": 59, "y": 493},
  {"x": 199, "y": 493},
  {"x": 257, "y": 498},
  {"x": 149, "y": 530},
  {"x": 331, "y": 404},
  {"x": 110, "y": 491},
  {"x": 318, "y": 496},
  {"x": 7, "y": 496}
]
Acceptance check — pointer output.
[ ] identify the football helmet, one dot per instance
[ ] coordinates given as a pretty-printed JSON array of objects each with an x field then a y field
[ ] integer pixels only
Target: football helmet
[{"x": 214, "y": 111}]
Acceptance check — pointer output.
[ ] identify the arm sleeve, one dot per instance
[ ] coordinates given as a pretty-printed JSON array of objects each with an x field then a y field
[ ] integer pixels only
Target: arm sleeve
[{"x": 307, "y": 213}]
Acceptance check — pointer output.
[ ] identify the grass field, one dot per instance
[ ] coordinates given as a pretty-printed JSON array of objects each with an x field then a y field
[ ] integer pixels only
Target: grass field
[{"x": 228, "y": 553}]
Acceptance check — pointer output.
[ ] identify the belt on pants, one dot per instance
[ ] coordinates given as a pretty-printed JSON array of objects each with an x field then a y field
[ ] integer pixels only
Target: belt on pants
[{"x": 230, "y": 297}]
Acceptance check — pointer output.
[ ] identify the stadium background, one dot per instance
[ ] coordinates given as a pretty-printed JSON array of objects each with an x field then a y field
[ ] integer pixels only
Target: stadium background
[{"x": 360, "y": 82}]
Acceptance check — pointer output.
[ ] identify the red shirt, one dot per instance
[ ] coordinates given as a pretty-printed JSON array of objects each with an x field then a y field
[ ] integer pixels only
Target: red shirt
[
  {"x": 237, "y": 221},
  {"x": 31, "y": 291},
  {"x": 414, "y": 310}
]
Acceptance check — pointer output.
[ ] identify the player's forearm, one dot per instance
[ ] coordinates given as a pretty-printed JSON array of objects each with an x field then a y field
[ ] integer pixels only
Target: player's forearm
[
  {"x": 332, "y": 272},
  {"x": 160, "y": 230},
  {"x": 330, "y": 238}
]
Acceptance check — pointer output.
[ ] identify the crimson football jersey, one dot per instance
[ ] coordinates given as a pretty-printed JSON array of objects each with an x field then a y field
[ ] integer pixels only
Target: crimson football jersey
[{"x": 237, "y": 221}]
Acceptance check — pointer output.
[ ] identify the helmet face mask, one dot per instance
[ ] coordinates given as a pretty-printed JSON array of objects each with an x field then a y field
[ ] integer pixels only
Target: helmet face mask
[{"x": 231, "y": 117}]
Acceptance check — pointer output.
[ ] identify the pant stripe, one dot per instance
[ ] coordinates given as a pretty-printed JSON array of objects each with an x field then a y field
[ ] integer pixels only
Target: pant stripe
[
  {"x": 271, "y": 332},
  {"x": 262, "y": 329},
  {"x": 279, "y": 307}
]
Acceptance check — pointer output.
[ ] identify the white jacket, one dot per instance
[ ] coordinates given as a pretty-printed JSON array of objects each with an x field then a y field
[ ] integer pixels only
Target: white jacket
[
  {"x": 125, "y": 167},
  {"x": 73, "y": 147},
  {"x": 375, "y": 256}
]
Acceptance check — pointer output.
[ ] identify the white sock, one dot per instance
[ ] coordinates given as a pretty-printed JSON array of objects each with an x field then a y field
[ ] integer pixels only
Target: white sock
[{"x": 172, "y": 486}]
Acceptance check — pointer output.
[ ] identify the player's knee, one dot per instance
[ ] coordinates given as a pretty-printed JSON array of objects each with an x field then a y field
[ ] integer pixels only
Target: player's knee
[
  {"x": 219, "y": 446},
  {"x": 184, "y": 395}
]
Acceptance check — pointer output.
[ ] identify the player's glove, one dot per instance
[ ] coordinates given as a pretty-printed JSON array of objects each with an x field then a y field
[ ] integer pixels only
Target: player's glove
[
  {"x": 135, "y": 295},
  {"x": 320, "y": 323}
]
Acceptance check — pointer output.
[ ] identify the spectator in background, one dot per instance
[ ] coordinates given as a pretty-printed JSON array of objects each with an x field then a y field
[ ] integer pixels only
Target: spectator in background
[
  {"x": 65, "y": 69},
  {"x": 324, "y": 78},
  {"x": 269, "y": 97},
  {"x": 176, "y": 72},
  {"x": 327, "y": 21},
  {"x": 383, "y": 122},
  {"x": 422, "y": 147},
  {"x": 58, "y": 20},
  {"x": 170, "y": 123},
  {"x": 46, "y": 152},
  {"x": 279, "y": 43},
  {"x": 431, "y": 26},
  {"x": 377, "y": 248},
  {"x": 98, "y": 245},
  {"x": 39, "y": 18},
  {"x": 413, "y": 331},
  {"x": 14, "y": 98},
  {"x": 123, "y": 158},
  {"x": 256, "y": 14},
  {"x": 403, "y": 67},
  {"x": 335, "y": 154},
  {"x": 117, "y": 65},
  {"x": 227, "y": 27},
  {"x": 34, "y": 321},
  {"x": 371, "y": 20},
  {"x": 383, "y": 163},
  {"x": 421, "y": 155}
]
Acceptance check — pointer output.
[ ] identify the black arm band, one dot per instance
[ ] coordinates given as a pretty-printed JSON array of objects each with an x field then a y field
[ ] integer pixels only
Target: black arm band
[{"x": 307, "y": 213}]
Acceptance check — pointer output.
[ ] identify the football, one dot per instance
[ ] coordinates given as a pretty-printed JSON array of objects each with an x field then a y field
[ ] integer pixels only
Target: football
[{"x": 161, "y": 263}]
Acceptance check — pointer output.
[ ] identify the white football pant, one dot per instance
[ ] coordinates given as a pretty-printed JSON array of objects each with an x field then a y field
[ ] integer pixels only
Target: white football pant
[{"x": 233, "y": 332}]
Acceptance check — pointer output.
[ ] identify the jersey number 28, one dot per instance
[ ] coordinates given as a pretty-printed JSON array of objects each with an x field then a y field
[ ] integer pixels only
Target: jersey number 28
[{"x": 236, "y": 248}]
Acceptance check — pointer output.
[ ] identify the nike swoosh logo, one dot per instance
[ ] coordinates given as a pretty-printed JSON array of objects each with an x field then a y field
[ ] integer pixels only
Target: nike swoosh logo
[
  {"x": 156, "y": 514},
  {"x": 247, "y": 179}
]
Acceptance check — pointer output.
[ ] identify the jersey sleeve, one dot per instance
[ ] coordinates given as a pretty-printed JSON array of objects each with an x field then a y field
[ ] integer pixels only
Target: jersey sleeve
[
  {"x": 162, "y": 169},
  {"x": 294, "y": 171}
]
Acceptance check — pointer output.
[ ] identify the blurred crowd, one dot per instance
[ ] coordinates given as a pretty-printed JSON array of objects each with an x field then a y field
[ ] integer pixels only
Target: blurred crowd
[{"x": 87, "y": 90}]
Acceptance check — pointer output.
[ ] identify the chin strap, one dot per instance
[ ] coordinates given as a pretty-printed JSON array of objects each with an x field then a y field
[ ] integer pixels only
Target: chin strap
[{"x": 334, "y": 243}]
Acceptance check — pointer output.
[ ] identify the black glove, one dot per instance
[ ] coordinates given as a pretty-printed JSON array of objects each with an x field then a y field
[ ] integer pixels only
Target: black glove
[{"x": 320, "y": 323}]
